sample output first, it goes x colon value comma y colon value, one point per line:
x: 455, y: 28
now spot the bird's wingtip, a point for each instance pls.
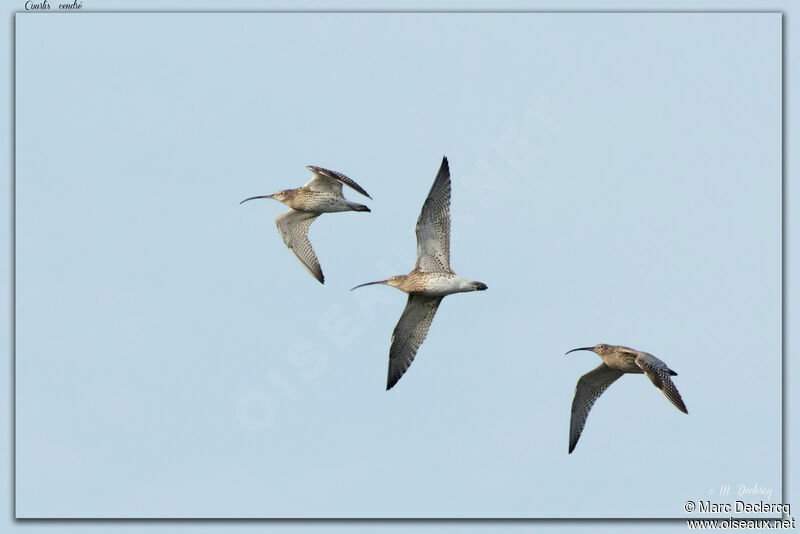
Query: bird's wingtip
x: 391, y: 381
x: 444, y: 169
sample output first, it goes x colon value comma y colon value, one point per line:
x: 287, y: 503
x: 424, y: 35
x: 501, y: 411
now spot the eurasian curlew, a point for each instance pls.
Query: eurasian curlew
x: 617, y: 361
x: 322, y: 194
x: 430, y: 280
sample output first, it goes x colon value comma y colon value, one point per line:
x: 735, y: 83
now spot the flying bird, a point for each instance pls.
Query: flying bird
x: 322, y: 194
x: 617, y: 361
x: 429, y: 282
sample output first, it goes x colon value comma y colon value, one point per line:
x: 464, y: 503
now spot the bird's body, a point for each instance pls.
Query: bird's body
x: 622, y: 360
x: 429, y: 282
x: 319, y: 202
x: 322, y: 194
x: 617, y: 361
x: 432, y: 283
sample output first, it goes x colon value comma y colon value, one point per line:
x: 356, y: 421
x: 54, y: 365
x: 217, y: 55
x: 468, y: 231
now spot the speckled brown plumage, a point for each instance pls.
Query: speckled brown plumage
x: 617, y: 361
x: 430, y: 280
x: 322, y: 194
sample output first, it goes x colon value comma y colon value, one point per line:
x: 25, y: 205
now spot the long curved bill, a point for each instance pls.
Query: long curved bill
x: 369, y: 284
x: 251, y: 198
x: 582, y: 348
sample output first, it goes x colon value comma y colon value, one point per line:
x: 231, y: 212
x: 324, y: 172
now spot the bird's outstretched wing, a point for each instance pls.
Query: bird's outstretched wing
x: 433, y: 225
x: 589, y: 388
x: 658, y: 373
x: 331, y: 181
x: 293, y: 226
x: 409, y: 334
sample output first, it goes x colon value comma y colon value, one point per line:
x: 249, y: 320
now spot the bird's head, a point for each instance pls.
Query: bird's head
x: 280, y: 196
x: 393, y: 281
x: 600, y: 349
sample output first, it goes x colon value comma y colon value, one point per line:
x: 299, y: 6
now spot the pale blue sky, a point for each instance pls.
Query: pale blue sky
x: 168, y: 363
